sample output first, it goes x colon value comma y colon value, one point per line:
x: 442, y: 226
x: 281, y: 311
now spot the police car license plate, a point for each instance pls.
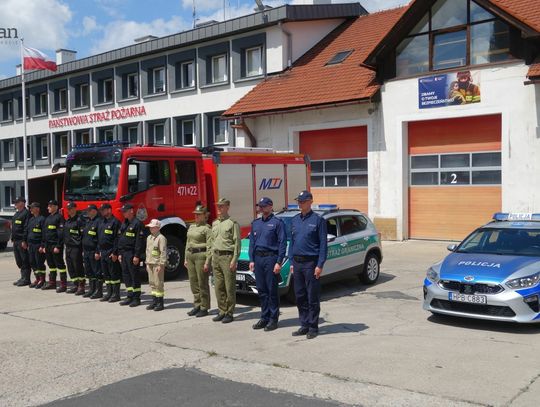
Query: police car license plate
x: 471, y: 298
x: 240, y: 277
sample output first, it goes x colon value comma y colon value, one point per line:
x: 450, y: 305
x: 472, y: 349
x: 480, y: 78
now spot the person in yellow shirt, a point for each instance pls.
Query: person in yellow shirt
x: 156, y: 259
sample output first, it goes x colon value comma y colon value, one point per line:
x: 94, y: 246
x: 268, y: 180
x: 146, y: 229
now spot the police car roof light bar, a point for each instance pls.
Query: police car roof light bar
x: 506, y: 216
x: 104, y: 144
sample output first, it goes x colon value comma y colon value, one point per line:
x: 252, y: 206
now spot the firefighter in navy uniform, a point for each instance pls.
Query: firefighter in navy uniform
x: 53, y: 245
x: 73, y: 228
x: 92, y: 268
x: 107, y: 253
x: 131, y: 247
x: 33, y: 239
x: 19, y: 225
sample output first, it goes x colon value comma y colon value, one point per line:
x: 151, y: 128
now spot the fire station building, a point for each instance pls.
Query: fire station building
x: 425, y: 116
x: 169, y: 90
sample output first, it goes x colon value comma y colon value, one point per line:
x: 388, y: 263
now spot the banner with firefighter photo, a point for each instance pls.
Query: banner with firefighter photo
x: 458, y: 88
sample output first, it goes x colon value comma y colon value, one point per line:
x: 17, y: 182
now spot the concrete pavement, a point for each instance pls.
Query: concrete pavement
x: 377, y: 346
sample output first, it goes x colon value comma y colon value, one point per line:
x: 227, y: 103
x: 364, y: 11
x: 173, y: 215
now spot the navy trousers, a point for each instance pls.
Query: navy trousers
x: 308, y: 294
x: 92, y: 267
x: 267, y: 286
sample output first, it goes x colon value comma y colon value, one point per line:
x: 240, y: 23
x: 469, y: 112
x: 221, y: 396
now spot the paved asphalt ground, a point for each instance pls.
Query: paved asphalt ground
x: 376, y: 347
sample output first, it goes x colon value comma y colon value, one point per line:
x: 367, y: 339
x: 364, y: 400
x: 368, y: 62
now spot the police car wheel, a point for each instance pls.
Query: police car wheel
x: 175, y: 258
x: 371, y: 271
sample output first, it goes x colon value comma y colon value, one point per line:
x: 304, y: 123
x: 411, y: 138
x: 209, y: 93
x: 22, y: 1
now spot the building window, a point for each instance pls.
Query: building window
x: 9, y: 196
x: 106, y: 135
x: 132, y: 82
x: 456, y: 169
x: 7, y: 109
x: 159, y: 133
x: 85, y: 137
x: 219, y: 68
x: 453, y: 34
x: 42, y: 147
x: 352, y: 172
x: 61, y: 100
x: 82, y: 95
x: 63, y: 145
x: 220, y: 131
x: 187, y: 77
x: 11, y: 151
x: 158, y: 80
x: 108, y: 90
x: 254, y: 61
x: 133, y: 135
x: 28, y: 150
x: 42, y: 103
x: 188, y: 132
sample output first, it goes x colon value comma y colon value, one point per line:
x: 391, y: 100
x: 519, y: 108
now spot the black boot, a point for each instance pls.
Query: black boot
x: 80, y: 290
x: 51, y: 285
x: 154, y: 303
x: 25, y: 279
x: 159, y: 306
x: 17, y: 282
x: 136, y: 300
x: 74, y: 287
x: 35, y: 282
x: 108, y: 294
x: 91, y: 290
x: 128, y: 299
x: 115, y: 293
x: 41, y: 281
x: 98, y: 290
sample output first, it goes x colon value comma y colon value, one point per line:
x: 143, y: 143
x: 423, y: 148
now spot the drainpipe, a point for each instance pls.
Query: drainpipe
x: 289, y: 43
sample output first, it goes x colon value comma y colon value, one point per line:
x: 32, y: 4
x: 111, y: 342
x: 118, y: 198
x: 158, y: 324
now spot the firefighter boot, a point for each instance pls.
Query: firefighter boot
x: 25, y: 278
x: 51, y: 285
x: 92, y: 289
x: 41, y: 281
x: 74, y: 286
x: 62, y: 288
x: 80, y: 290
x: 17, y: 282
x: 98, y: 290
x: 115, y: 297
x: 108, y: 295
x: 136, y: 300
x: 36, y: 281
x: 128, y: 299
x: 154, y: 303
x: 159, y: 306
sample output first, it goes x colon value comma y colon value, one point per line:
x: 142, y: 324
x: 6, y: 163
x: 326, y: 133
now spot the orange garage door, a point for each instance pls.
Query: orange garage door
x: 338, y: 165
x: 454, y: 176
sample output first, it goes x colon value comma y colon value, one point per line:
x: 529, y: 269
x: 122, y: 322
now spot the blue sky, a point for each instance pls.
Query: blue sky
x: 94, y: 26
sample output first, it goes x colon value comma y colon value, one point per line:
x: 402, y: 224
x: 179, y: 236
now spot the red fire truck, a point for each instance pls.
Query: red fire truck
x: 166, y: 182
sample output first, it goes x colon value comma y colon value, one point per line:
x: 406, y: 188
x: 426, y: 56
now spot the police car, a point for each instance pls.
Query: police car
x: 493, y: 274
x: 354, y: 248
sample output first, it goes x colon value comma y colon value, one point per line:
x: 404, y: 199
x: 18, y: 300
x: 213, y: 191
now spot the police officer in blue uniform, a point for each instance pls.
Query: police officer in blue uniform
x: 308, y: 251
x: 267, y: 246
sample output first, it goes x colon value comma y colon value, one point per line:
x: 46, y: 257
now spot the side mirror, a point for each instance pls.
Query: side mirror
x: 56, y: 167
x: 330, y: 238
x: 451, y: 247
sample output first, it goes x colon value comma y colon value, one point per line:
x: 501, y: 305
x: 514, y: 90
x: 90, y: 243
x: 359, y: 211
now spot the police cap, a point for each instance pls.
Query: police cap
x: 53, y: 202
x: 35, y: 205
x: 92, y: 207
x: 126, y: 207
x: 104, y: 206
x: 304, y: 196
x: 265, y: 201
x: 19, y: 199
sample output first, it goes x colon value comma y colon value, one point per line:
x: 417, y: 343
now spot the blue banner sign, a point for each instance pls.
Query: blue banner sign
x: 457, y: 88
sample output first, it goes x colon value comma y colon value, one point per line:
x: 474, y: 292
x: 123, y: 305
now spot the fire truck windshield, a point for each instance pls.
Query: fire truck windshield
x: 91, y: 181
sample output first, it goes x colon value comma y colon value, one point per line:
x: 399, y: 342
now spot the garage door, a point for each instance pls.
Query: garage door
x: 454, y: 177
x: 338, y: 165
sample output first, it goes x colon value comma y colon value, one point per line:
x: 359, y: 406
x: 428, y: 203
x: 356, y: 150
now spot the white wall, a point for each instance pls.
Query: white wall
x: 504, y: 93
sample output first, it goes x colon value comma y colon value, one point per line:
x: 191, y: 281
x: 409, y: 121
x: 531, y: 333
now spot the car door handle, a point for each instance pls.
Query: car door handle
x: 344, y: 244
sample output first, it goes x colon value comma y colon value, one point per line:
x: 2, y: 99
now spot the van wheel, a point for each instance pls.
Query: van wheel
x: 175, y: 257
x: 371, y: 271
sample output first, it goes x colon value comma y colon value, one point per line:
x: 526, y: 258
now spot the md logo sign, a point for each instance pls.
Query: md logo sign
x: 271, y: 183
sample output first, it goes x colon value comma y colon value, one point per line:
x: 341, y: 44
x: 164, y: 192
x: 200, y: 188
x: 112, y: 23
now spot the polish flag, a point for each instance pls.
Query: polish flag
x: 35, y: 59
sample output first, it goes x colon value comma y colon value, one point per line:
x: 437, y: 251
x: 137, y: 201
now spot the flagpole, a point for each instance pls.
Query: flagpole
x: 25, y: 152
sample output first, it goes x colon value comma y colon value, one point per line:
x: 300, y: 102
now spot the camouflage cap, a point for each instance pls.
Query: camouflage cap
x: 223, y: 201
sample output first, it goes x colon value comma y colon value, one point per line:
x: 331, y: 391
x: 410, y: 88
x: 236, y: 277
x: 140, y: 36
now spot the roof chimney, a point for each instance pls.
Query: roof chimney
x: 145, y: 38
x: 65, y: 55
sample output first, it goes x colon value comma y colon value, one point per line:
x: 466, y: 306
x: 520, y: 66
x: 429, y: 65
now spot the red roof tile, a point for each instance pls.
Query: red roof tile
x: 534, y: 70
x: 310, y: 82
x: 526, y: 11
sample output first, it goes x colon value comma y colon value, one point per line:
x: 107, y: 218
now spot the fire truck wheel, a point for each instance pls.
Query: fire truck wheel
x: 175, y: 257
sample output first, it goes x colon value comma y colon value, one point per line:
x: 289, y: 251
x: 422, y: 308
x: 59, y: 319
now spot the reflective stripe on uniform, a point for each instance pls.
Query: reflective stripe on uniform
x: 130, y: 234
x: 62, y: 270
x: 92, y: 233
x: 129, y: 289
x: 136, y: 290
x: 51, y: 227
x: 108, y: 232
x: 36, y: 230
x: 159, y: 294
x: 115, y: 281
